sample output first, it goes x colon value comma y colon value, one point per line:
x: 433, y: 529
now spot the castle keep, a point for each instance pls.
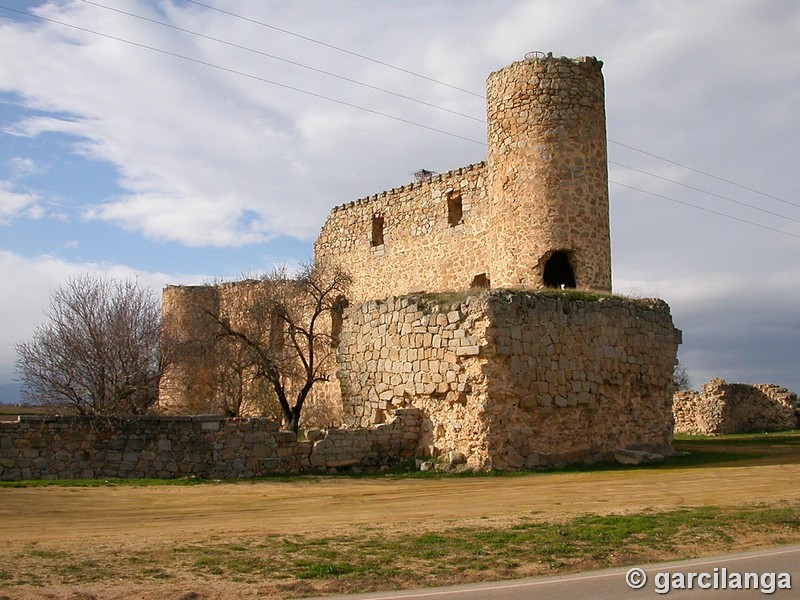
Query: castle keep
x: 534, y: 215
x: 481, y: 296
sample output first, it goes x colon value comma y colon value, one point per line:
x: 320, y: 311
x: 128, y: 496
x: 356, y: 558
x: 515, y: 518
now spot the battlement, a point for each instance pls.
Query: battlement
x: 533, y: 215
x: 409, y: 187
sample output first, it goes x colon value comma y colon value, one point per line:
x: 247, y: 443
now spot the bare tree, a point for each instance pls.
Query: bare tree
x: 98, y: 353
x: 289, y: 331
x: 239, y: 389
x: 681, y: 379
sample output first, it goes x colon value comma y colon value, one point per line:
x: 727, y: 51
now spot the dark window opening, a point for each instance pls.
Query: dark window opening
x: 377, y: 231
x: 455, y: 210
x: 558, y: 272
x: 337, y: 320
x: 480, y: 281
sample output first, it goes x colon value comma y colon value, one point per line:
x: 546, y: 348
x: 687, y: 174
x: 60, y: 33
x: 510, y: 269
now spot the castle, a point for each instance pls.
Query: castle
x: 534, y: 215
x: 450, y: 312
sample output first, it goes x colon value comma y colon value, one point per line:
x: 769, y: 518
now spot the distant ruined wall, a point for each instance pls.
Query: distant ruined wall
x: 515, y: 379
x: 40, y: 447
x: 722, y: 407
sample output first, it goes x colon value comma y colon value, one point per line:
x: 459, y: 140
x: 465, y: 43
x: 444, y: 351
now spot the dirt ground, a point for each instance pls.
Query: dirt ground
x: 327, y: 505
x: 71, y: 518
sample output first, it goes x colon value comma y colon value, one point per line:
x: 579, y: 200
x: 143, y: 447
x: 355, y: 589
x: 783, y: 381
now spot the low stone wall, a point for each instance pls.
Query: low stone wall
x: 722, y: 407
x: 514, y: 379
x: 71, y: 447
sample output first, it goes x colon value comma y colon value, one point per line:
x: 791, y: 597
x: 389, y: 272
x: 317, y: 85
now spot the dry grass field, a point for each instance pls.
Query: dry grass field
x: 311, y: 535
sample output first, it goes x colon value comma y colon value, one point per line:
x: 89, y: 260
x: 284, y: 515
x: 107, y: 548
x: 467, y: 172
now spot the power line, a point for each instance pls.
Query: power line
x: 285, y: 60
x: 728, y: 181
x: 697, y: 189
x: 306, y: 38
x: 721, y: 214
x: 337, y: 48
x: 364, y: 57
x: 248, y: 75
x: 313, y: 94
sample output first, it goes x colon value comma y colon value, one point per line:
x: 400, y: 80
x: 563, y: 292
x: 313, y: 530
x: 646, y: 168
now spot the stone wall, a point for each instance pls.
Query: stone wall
x: 515, y: 379
x: 41, y: 447
x: 421, y: 249
x: 542, y: 191
x: 207, y: 374
x: 722, y: 407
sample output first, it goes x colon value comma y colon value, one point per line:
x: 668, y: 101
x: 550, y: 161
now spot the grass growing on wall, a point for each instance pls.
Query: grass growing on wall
x: 443, y: 300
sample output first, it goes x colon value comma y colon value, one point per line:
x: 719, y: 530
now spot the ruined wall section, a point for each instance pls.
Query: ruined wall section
x: 573, y: 378
x: 208, y: 374
x: 515, y: 379
x: 422, y: 249
x: 425, y: 353
x: 208, y: 446
x: 188, y: 382
x: 548, y: 174
x: 722, y: 407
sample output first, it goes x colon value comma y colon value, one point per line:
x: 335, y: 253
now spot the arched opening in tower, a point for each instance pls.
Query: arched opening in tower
x: 558, y: 271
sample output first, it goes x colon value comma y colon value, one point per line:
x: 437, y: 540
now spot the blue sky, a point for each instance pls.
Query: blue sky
x: 122, y: 158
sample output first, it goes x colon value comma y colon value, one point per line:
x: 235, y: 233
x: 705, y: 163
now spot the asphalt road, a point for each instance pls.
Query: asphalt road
x: 662, y: 581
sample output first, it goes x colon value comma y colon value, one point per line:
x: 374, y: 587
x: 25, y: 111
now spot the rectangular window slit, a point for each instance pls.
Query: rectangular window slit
x: 455, y: 210
x: 377, y: 231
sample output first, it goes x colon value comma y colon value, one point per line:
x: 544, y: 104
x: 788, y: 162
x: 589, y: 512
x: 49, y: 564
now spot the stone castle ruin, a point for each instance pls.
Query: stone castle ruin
x: 534, y: 215
x: 482, y: 296
x: 721, y: 407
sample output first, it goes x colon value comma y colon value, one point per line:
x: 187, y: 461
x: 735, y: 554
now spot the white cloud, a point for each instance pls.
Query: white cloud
x: 24, y: 167
x: 209, y: 158
x: 159, y: 217
x: 24, y: 303
x: 15, y: 204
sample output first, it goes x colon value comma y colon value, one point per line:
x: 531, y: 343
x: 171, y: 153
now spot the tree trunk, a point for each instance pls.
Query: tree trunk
x: 294, y: 423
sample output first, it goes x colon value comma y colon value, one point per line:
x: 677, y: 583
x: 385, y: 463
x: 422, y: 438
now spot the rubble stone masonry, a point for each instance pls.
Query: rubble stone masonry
x: 41, y: 447
x: 202, y: 381
x: 548, y: 174
x: 507, y: 378
x: 543, y: 190
x: 722, y: 407
x: 421, y: 250
x: 515, y: 379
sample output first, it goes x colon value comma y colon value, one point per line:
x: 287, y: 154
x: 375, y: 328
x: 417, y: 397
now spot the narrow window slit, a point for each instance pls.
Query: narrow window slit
x: 455, y: 209
x: 377, y: 231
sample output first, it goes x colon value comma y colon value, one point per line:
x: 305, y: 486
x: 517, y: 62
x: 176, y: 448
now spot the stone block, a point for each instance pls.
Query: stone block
x: 314, y: 435
x: 286, y: 437
x: 468, y: 351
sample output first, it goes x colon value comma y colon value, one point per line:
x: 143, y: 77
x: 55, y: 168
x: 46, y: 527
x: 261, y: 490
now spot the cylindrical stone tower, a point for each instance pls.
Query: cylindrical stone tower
x: 188, y: 379
x: 548, y: 175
